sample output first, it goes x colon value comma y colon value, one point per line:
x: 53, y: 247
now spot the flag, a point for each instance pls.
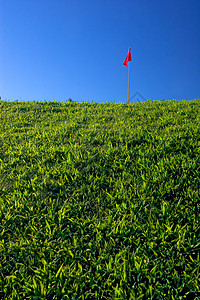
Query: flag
x: 128, y: 58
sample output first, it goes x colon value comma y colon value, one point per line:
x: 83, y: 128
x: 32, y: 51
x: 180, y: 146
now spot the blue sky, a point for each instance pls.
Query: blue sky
x: 61, y: 49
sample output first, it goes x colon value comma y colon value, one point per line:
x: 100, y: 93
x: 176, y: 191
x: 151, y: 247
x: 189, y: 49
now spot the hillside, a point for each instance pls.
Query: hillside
x: 99, y: 201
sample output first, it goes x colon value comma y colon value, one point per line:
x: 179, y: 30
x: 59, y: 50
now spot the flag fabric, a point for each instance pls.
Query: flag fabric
x: 128, y: 58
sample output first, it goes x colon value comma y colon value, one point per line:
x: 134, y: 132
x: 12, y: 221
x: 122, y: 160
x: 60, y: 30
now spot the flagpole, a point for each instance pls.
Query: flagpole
x: 129, y: 82
x: 127, y: 60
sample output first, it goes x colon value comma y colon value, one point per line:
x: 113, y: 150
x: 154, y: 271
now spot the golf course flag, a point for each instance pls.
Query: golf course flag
x: 128, y: 59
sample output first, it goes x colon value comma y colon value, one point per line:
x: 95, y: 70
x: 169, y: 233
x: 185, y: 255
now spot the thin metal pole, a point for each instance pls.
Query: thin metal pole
x: 129, y: 82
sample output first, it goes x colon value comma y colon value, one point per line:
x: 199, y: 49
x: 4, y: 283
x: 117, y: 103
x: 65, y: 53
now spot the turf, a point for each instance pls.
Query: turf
x: 99, y: 200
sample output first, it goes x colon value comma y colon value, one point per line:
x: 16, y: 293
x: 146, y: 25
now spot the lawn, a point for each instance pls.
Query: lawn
x: 100, y: 200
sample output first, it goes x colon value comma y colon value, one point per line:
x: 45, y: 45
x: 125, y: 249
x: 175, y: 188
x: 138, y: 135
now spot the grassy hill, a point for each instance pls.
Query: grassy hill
x: 99, y: 201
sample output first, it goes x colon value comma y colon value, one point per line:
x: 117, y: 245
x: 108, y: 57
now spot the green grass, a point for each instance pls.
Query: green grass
x: 99, y: 201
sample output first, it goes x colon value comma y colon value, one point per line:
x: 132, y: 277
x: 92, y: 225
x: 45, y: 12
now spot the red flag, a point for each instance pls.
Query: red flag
x: 128, y: 58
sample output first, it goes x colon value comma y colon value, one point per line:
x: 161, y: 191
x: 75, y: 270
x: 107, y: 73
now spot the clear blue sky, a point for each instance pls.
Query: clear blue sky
x: 60, y: 49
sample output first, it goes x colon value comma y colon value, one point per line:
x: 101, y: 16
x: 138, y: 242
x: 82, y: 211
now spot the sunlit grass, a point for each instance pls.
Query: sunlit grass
x: 99, y: 201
